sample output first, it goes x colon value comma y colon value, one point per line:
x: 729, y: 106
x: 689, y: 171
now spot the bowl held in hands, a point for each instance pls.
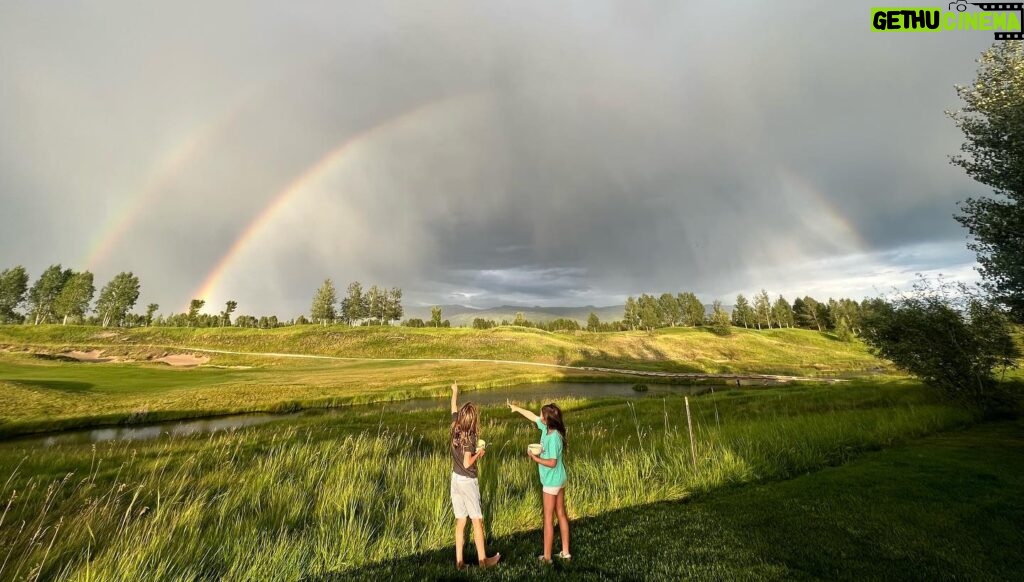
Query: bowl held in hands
x: 535, y: 449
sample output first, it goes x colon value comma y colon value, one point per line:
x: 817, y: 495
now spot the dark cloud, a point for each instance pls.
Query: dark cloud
x: 529, y: 152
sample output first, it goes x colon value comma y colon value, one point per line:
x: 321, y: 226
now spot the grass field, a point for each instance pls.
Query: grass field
x: 326, y: 497
x: 38, y: 392
x: 779, y: 351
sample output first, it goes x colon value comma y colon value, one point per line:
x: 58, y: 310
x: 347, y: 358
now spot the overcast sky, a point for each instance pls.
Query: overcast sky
x: 530, y: 152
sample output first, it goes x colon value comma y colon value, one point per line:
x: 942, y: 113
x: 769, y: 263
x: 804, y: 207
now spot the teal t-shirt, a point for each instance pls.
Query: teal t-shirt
x: 552, y: 443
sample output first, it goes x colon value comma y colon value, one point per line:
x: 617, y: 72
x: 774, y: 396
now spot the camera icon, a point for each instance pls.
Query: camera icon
x: 961, y: 5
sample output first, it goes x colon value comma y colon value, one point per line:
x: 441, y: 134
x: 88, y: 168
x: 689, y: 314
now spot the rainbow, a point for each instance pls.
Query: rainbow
x: 165, y: 170
x: 824, y: 219
x: 308, y: 176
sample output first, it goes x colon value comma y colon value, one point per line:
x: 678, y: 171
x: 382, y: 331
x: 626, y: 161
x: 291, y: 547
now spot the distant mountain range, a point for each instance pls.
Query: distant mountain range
x: 461, y: 315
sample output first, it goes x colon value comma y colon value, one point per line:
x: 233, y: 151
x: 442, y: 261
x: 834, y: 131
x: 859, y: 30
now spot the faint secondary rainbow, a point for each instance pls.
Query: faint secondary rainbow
x: 165, y: 170
x: 310, y: 175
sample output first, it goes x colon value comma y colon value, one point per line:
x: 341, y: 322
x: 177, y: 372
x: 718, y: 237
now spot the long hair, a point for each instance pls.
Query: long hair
x: 466, y: 426
x: 551, y: 414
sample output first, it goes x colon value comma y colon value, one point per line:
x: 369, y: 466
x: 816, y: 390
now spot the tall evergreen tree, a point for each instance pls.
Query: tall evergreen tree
x: 322, y: 311
x: 117, y: 298
x: 783, y: 312
x: 75, y: 297
x: 808, y: 314
x: 13, y: 286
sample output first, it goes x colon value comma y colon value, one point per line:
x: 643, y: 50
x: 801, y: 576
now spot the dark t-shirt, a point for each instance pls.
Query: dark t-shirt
x: 457, y: 455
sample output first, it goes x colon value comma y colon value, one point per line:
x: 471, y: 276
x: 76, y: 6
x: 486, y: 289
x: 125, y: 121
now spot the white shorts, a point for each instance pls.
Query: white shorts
x: 553, y: 490
x: 466, y: 497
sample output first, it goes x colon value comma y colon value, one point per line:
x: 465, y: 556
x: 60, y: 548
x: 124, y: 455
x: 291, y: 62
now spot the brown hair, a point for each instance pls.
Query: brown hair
x: 466, y: 426
x: 551, y: 415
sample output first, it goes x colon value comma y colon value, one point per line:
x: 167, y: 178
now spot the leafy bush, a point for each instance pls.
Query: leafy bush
x: 952, y: 340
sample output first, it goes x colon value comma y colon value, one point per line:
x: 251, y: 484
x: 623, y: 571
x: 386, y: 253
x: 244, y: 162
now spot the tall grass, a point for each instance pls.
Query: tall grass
x: 287, y: 502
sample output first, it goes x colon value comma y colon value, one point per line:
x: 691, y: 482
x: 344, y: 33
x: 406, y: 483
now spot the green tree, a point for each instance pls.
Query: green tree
x: 394, y: 309
x: 193, y: 311
x: 742, y: 313
x: 355, y: 306
x: 843, y: 331
x: 44, y: 293
x: 75, y: 297
x: 520, y: 320
x: 117, y: 298
x: 322, y: 311
x: 435, y: 316
x: 670, y: 310
x: 720, y: 321
x: 225, y: 316
x: 631, y: 315
x: 691, y: 309
x: 992, y: 120
x: 783, y: 312
x: 763, y: 310
x: 946, y: 337
x: 13, y: 286
x: 150, y: 310
x: 650, y: 314
x: 593, y: 322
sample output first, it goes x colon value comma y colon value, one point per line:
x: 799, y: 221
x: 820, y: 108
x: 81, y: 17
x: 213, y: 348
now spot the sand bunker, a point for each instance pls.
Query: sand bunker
x: 93, y: 356
x: 183, y: 360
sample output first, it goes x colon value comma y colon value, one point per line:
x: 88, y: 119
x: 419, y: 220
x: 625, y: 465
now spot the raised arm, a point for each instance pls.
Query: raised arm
x: 455, y: 396
x: 526, y: 413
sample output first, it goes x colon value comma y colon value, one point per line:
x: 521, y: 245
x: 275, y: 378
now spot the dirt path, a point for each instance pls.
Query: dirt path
x: 645, y: 373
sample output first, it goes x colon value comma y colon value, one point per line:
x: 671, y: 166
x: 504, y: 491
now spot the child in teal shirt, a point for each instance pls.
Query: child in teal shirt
x: 552, y: 474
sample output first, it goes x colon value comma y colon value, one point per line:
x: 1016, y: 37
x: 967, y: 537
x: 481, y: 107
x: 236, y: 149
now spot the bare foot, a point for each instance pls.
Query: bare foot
x: 492, y: 561
x: 460, y: 565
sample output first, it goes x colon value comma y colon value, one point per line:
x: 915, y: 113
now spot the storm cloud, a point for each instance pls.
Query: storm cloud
x: 475, y: 152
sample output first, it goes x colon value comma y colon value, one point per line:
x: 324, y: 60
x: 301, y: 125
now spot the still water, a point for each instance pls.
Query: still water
x: 548, y: 392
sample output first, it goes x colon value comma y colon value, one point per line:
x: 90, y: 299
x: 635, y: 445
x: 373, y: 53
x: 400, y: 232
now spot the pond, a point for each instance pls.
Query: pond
x: 546, y: 392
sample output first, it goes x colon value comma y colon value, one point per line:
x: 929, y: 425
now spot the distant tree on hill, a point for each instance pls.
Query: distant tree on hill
x: 225, y: 316
x: 763, y: 310
x: 193, y: 311
x: 520, y: 320
x: 377, y: 302
x: 13, y: 287
x: 75, y: 297
x: 742, y: 313
x: 435, y: 316
x: 783, y: 312
x: 355, y: 305
x: 322, y: 310
x: 993, y: 124
x: 593, y: 322
x: 150, y: 310
x: 44, y: 293
x: 719, y: 319
x: 691, y: 309
x: 413, y: 322
x: 650, y: 314
x: 446, y: 323
x: 808, y: 313
x: 480, y: 323
x: 671, y: 311
x: 117, y: 298
x: 394, y: 310
x: 631, y: 315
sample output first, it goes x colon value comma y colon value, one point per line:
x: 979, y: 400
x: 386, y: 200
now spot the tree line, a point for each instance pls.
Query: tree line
x: 64, y: 295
